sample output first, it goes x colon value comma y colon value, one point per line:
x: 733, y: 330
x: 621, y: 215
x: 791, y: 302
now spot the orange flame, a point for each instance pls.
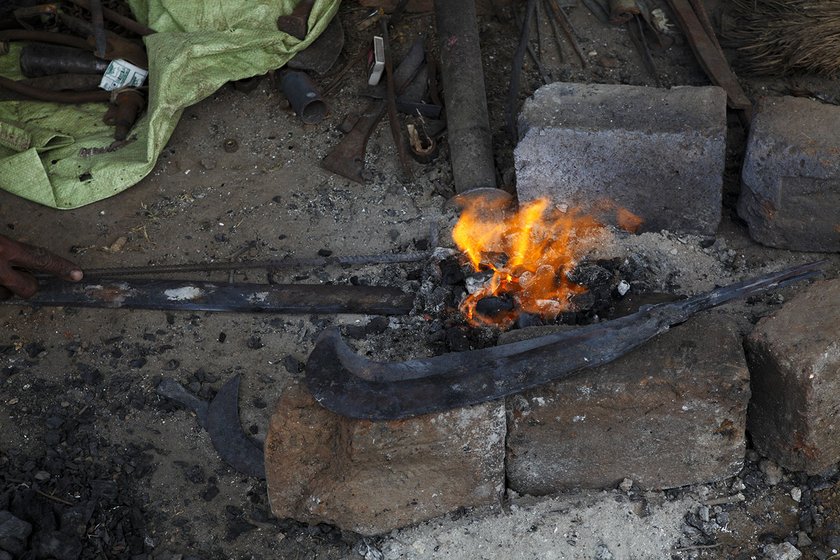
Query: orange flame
x: 529, y: 253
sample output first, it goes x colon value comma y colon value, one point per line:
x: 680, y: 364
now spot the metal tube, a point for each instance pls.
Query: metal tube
x: 467, y: 120
x: 303, y: 96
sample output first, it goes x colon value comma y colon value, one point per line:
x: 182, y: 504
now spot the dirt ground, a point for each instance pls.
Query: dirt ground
x: 86, y: 440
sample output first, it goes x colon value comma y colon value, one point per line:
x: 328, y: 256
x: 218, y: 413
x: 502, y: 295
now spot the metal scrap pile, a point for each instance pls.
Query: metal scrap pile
x: 77, y: 52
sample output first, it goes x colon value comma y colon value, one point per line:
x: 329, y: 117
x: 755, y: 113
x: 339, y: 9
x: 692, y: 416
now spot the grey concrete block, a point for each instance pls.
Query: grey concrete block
x: 790, y: 181
x: 794, y: 359
x: 655, y: 152
x: 668, y: 414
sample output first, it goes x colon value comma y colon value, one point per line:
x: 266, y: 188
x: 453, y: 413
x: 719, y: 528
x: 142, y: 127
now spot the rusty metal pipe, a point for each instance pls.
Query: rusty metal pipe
x: 39, y: 94
x: 467, y: 120
x: 43, y: 37
x: 125, y: 22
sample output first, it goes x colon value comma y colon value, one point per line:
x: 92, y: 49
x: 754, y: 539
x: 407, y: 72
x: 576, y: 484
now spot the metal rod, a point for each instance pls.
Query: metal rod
x: 187, y: 295
x: 98, y: 20
x: 125, y: 22
x: 288, y: 262
x: 391, y: 101
x: 464, y: 91
x: 516, y: 71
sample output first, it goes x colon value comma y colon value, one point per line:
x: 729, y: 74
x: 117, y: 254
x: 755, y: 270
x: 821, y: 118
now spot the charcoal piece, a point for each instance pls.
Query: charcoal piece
x: 494, y: 306
x: 450, y: 272
x: 13, y: 527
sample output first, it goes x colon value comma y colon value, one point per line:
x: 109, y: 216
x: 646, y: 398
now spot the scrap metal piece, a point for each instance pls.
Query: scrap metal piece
x: 296, y: 24
x: 44, y: 59
x: 322, y: 53
x: 220, y: 417
x: 211, y: 296
x: 354, y: 386
x: 125, y: 107
x: 303, y: 96
x: 40, y: 94
x: 233, y: 446
x: 174, y: 391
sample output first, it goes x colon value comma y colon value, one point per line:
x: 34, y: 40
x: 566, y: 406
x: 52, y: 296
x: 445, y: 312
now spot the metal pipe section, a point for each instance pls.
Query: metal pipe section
x: 467, y: 121
x: 303, y: 96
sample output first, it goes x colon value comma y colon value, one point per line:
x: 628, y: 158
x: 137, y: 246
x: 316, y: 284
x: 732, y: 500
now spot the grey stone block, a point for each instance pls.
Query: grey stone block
x: 655, y: 152
x: 790, y: 181
x: 794, y: 359
x: 668, y: 414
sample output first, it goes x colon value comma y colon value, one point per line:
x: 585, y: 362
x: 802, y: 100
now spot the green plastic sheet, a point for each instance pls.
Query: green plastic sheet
x: 199, y: 46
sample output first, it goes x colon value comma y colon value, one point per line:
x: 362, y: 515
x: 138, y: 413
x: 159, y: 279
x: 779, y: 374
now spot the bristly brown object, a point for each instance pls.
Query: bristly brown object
x: 786, y: 36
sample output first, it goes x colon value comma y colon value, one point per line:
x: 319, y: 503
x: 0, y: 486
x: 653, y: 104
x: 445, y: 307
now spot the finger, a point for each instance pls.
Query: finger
x: 18, y: 282
x: 40, y: 260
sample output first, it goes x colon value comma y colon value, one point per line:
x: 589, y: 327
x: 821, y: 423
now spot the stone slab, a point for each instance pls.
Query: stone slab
x: 658, y: 153
x: 372, y: 477
x: 794, y: 358
x: 790, y: 180
x: 668, y: 414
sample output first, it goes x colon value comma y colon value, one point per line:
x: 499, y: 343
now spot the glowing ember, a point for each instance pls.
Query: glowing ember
x: 529, y: 253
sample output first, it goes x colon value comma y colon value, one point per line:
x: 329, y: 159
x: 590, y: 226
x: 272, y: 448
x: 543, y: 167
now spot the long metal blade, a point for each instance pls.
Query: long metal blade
x: 213, y: 296
x: 354, y: 386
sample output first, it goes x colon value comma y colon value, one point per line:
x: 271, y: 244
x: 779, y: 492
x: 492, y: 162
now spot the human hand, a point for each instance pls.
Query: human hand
x: 18, y: 259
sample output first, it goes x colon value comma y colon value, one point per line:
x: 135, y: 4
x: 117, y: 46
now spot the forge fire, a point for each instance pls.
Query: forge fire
x: 527, y: 255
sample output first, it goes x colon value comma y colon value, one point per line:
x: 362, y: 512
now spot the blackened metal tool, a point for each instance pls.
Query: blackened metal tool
x: 706, y: 48
x: 354, y: 386
x: 187, y: 295
x: 220, y: 417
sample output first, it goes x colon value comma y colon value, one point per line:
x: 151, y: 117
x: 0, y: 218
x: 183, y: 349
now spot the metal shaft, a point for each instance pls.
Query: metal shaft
x: 467, y: 120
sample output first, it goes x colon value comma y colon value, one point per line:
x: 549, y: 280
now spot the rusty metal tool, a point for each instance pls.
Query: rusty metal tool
x: 711, y: 58
x: 296, y: 23
x: 391, y: 101
x: 354, y: 386
x: 220, y: 417
x: 122, y: 113
x: 189, y: 295
x: 40, y: 94
x: 348, y: 157
x: 566, y: 25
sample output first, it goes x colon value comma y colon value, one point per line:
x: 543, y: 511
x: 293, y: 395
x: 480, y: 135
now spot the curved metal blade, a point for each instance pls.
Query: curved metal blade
x: 354, y: 386
x: 230, y: 442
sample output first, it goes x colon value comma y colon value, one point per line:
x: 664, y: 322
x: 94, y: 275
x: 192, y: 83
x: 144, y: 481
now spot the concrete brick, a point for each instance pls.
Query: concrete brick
x: 372, y: 477
x: 668, y: 414
x: 790, y: 180
x: 658, y: 153
x: 794, y: 359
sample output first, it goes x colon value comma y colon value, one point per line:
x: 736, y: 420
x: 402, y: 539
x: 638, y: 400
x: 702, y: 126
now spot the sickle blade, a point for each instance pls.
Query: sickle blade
x: 354, y: 386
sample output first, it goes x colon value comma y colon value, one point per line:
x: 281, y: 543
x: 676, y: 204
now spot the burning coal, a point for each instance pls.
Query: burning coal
x: 529, y: 253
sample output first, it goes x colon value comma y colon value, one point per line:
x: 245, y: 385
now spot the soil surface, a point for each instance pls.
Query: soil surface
x: 104, y: 467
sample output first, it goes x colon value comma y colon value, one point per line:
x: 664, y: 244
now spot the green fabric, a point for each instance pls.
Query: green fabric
x: 198, y: 47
